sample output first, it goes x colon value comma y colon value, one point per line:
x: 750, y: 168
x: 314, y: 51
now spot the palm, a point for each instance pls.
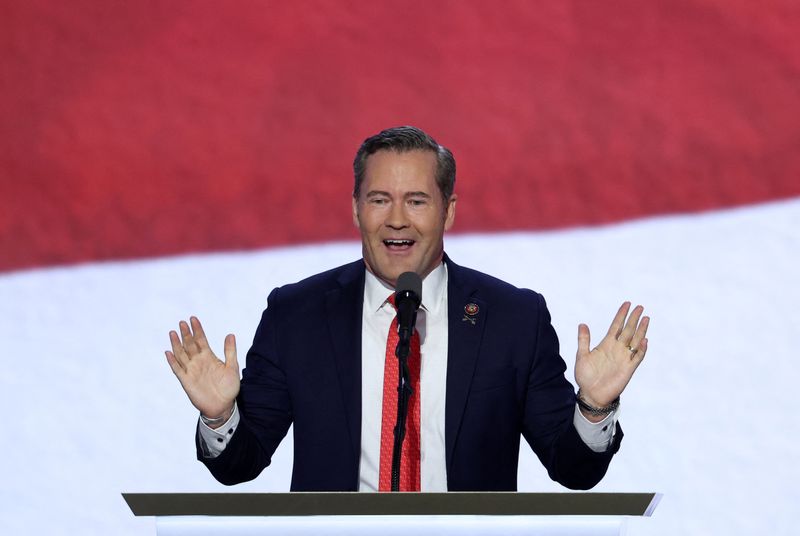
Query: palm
x: 603, y: 372
x: 211, y: 384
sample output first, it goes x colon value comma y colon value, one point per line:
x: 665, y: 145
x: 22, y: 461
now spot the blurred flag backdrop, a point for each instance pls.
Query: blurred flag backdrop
x: 161, y: 159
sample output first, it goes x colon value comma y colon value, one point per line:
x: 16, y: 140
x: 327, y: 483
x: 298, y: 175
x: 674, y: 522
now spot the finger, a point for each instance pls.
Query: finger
x: 627, y: 332
x: 178, y: 352
x: 187, y: 340
x: 643, y: 348
x: 638, y: 356
x: 198, y: 334
x: 174, y: 364
x: 583, y: 339
x: 230, y: 352
x: 616, y: 325
x: 641, y: 331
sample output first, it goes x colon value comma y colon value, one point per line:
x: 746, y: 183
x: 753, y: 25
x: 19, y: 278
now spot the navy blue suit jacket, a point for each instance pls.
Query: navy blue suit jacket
x: 504, y: 378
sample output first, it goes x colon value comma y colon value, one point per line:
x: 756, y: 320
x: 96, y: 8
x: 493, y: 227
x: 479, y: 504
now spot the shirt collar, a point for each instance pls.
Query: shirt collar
x: 434, y: 286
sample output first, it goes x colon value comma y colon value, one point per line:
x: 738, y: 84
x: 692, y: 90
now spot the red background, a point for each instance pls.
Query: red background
x: 133, y: 129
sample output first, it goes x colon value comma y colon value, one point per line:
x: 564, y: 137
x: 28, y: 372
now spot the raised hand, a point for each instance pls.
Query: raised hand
x: 212, y: 385
x: 603, y: 372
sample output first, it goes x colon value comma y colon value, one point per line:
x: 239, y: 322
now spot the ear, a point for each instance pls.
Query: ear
x: 355, y: 213
x: 451, y: 212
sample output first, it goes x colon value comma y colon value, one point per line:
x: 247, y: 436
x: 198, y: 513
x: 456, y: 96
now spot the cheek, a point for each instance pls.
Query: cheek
x: 363, y: 222
x: 432, y: 227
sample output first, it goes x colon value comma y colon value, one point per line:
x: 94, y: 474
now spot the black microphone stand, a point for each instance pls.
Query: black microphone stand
x: 404, y: 392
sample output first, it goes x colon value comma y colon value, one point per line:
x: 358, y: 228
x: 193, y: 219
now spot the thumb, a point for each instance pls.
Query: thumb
x: 230, y: 352
x: 583, y: 339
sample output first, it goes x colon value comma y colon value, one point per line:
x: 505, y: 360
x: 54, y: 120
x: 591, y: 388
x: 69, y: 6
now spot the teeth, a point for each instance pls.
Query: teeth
x: 398, y: 242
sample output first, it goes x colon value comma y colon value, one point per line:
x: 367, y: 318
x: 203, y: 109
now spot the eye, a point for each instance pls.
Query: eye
x: 417, y: 202
x: 378, y: 201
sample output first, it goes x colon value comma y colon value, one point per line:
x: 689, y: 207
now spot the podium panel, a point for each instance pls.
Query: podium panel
x: 391, y: 514
x: 392, y: 526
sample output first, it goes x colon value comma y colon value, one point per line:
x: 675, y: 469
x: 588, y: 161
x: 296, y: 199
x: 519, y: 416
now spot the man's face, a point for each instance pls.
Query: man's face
x: 401, y: 214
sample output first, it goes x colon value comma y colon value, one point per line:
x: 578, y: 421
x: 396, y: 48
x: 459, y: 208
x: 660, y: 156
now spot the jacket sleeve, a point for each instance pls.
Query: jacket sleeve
x: 264, y: 405
x: 549, y: 409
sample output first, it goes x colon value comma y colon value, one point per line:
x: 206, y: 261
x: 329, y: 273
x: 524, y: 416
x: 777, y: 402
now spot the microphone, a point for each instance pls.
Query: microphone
x: 407, y: 299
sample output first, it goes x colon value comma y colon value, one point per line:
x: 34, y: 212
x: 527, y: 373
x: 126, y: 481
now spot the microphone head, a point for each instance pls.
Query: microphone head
x: 409, y: 284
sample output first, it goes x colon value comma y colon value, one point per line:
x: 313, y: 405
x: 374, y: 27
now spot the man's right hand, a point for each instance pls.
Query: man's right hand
x: 212, y: 385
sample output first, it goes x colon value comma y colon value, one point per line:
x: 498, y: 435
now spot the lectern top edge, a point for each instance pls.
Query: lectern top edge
x: 410, y: 504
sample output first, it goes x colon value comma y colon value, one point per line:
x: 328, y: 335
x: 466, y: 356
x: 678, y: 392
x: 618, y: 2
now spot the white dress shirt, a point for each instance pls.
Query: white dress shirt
x: 431, y: 324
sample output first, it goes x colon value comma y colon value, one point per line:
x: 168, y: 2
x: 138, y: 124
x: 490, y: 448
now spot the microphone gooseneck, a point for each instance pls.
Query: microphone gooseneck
x: 407, y: 299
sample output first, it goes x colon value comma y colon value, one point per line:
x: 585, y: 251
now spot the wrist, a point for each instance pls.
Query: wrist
x: 218, y: 420
x: 593, y: 411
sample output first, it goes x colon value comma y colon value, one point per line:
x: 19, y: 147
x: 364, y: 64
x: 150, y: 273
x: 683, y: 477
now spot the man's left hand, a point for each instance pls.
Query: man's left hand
x: 603, y: 372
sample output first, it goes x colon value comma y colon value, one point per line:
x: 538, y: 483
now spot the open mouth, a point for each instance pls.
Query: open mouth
x: 398, y: 245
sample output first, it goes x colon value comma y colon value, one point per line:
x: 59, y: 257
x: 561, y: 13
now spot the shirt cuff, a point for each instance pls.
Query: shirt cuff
x: 213, y: 442
x: 597, y: 436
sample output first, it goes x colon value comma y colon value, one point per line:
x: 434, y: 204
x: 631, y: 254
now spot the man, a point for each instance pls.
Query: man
x: 490, y: 367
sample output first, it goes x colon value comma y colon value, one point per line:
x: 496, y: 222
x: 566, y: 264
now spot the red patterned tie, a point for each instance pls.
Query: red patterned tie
x: 409, y: 462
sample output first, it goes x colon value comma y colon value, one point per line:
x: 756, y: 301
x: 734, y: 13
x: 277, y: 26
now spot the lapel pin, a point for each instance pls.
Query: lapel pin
x: 470, y: 311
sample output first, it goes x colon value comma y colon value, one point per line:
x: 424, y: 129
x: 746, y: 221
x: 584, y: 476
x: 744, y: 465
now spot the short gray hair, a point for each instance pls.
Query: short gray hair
x: 405, y: 139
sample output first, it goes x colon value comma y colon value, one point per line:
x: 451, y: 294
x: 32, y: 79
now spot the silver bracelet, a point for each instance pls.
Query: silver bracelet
x: 592, y: 410
x: 211, y: 422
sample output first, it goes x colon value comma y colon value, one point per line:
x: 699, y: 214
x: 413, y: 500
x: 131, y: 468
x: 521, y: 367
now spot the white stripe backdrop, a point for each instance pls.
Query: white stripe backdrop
x: 92, y: 409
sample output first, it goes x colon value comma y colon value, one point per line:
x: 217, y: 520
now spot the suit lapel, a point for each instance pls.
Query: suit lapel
x: 466, y: 315
x: 343, y: 308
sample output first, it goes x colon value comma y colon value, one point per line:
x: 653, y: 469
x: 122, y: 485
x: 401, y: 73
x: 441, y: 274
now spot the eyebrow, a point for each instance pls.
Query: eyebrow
x: 374, y: 193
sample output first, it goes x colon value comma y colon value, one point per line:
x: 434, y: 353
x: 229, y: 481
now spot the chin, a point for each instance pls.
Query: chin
x: 390, y: 276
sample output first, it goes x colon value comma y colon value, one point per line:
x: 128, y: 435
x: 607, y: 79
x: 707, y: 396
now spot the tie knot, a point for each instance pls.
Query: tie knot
x: 391, y: 300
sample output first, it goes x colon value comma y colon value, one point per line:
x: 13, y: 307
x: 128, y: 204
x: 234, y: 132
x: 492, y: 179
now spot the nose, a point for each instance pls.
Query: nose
x: 397, y: 217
